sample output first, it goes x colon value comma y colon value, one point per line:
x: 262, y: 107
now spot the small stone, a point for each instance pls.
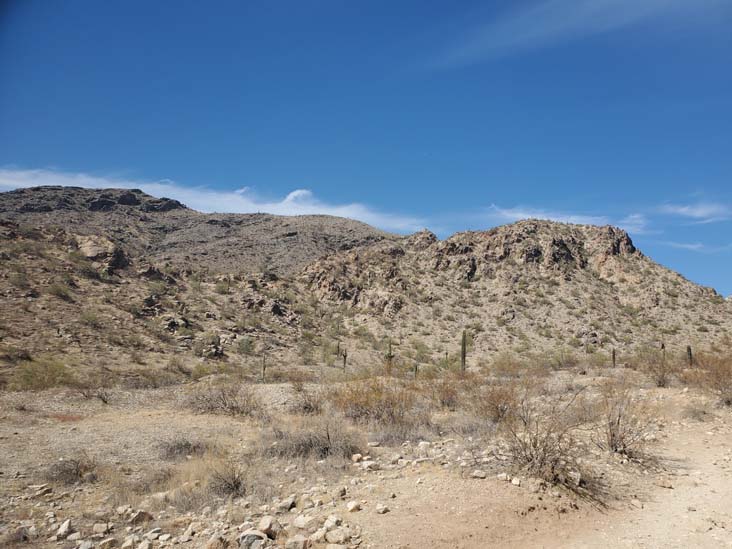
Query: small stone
x: 64, y: 530
x: 251, y: 538
x: 139, y: 517
x: 216, y: 542
x: 353, y: 506
x: 270, y: 526
x: 355, y: 458
x: 336, y: 536
x: 516, y: 481
x: 100, y: 528
x: 503, y: 476
x: 297, y: 542
x: 478, y: 474
x: 109, y: 542
x: 304, y: 522
x: 76, y: 536
x: 86, y: 545
x: 382, y: 509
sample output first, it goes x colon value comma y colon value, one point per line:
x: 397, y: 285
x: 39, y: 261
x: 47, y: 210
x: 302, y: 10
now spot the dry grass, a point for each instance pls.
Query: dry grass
x: 495, y: 402
x: 716, y: 376
x: 394, y: 412
x: 232, y: 400
x: 182, y: 447
x: 320, y: 438
x: 307, y: 402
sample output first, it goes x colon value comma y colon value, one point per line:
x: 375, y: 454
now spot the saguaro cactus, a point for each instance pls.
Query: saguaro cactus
x: 345, y: 357
x: 689, y: 356
x: 389, y: 359
x: 463, y: 350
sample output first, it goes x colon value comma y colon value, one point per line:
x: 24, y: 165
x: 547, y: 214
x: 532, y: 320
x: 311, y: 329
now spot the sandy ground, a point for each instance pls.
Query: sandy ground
x: 687, y: 504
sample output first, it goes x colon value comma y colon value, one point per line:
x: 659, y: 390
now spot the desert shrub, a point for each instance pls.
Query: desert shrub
x: 564, y: 358
x: 245, y: 345
x: 542, y: 440
x: 445, y: 392
x: 181, y: 447
x: 306, y: 402
x: 176, y: 365
x: 13, y: 354
x: 222, y: 287
x: 716, y: 376
x: 40, y: 374
x: 318, y: 439
x: 660, y: 368
x: 81, y: 468
x: 396, y: 411
x: 506, y: 364
x: 61, y: 291
x: 495, y: 402
x: 89, y: 389
x: 228, y: 479
x: 227, y: 400
x: 624, y: 421
x: 91, y: 319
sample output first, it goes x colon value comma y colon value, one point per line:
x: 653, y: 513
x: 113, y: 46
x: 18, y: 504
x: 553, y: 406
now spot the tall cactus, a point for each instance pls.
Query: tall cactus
x: 389, y: 359
x: 463, y: 350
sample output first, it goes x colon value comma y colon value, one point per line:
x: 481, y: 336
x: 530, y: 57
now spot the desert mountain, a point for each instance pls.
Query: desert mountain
x: 166, y: 232
x: 121, y: 278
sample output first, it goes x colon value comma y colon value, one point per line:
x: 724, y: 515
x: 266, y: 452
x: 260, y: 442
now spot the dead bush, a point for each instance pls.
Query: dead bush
x: 318, y: 439
x: 624, y: 421
x: 307, y: 402
x: 236, y: 400
x: 506, y: 364
x: 717, y: 376
x: 445, y: 392
x: 542, y: 439
x: 182, y: 447
x: 73, y: 470
x: 227, y: 479
x: 495, y: 402
x: 659, y: 367
x: 395, y: 412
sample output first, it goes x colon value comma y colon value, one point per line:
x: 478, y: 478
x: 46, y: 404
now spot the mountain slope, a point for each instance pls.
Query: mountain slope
x: 156, y: 287
x: 166, y: 232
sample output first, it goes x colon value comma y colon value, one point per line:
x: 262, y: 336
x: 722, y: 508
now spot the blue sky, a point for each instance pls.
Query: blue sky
x: 449, y: 115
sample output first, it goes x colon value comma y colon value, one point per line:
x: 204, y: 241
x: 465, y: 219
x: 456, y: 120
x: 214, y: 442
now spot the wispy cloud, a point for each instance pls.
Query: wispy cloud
x: 701, y: 212
x: 633, y: 223
x: 548, y: 22
x: 243, y: 200
x: 697, y: 247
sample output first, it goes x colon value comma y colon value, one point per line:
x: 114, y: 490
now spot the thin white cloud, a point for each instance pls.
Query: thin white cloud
x: 701, y: 212
x: 634, y: 223
x: 692, y: 247
x: 517, y: 213
x: 242, y: 200
x: 548, y: 22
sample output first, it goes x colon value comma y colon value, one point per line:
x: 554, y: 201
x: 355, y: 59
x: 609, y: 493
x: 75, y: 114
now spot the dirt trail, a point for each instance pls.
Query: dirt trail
x: 690, y: 506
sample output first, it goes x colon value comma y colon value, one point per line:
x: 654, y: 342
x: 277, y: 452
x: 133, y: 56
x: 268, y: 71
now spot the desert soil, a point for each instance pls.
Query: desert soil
x: 683, y: 502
